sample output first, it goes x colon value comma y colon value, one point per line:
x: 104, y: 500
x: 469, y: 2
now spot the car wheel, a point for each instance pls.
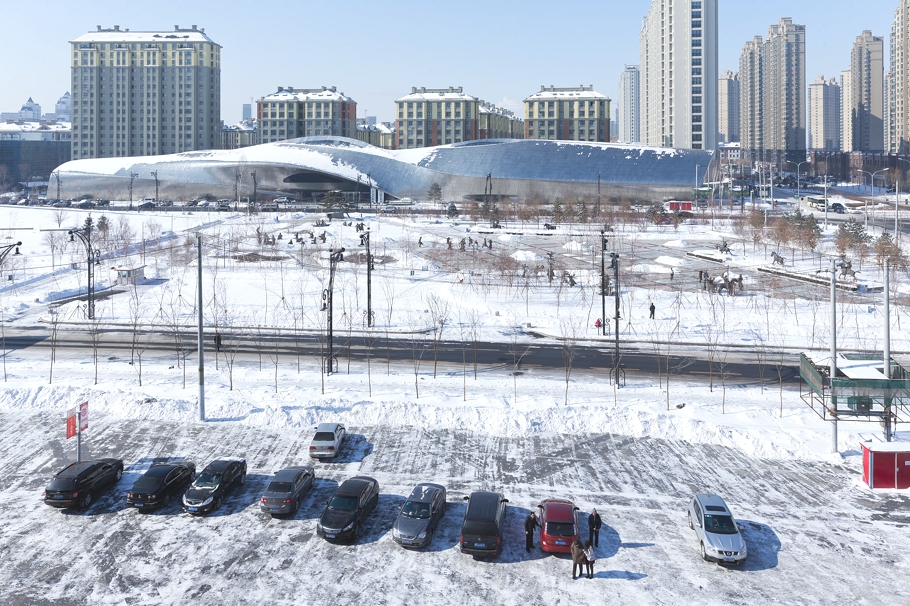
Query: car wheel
x: 218, y: 503
x: 689, y: 515
x: 118, y: 475
x: 167, y: 500
x: 704, y: 555
x: 86, y: 500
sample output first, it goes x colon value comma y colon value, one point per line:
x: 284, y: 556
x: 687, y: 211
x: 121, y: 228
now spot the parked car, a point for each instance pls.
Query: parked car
x: 558, y: 525
x: 192, y: 203
x: 327, y: 441
x: 146, y: 205
x: 420, y: 515
x: 717, y: 531
x: 62, y: 204
x: 281, y: 200
x: 161, y: 483
x: 101, y: 203
x: 284, y: 492
x: 212, y: 485
x: 348, y: 508
x: 78, y: 484
x: 484, y: 520
x: 224, y: 204
x: 85, y: 204
x: 166, y: 203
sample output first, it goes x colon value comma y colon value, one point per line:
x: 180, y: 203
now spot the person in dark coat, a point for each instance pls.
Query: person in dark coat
x: 578, y: 559
x: 652, y: 308
x: 594, y: 528
x: 530, y: 524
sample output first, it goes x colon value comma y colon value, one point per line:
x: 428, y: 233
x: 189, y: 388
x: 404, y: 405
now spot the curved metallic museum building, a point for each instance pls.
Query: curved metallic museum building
x: 525, y: 169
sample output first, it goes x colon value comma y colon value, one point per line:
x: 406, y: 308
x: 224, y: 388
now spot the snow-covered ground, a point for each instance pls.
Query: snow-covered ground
x: 635, y: 453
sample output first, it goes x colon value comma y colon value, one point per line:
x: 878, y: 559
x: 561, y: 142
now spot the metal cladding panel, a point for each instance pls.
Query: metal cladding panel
x: 883, y: 469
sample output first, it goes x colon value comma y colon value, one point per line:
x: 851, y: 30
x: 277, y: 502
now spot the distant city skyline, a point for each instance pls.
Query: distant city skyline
x: 380, y: 56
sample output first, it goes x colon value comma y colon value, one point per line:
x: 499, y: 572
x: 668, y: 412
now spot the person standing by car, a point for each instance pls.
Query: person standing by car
x: 530, y: 525
x: 589, y: 559
x: 594, y: 528
x: 578, y: 558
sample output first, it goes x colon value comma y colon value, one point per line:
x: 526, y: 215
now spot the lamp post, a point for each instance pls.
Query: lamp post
x: 132, y: 177
x: 93, y: 257
x: 365, y: 241
x: 897, y: 199
x: 798, y: 197
x: 872, y: 190
x: 57, y: 176
x: 334, y: 257
x: 6, y: 250
x: 155, y: 175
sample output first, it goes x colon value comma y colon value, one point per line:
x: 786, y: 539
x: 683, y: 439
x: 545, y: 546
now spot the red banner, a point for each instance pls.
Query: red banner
x: 70, y: 427
x: 71, y: 420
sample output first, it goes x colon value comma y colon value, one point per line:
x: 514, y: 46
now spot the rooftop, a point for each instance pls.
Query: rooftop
x: 115, y: 34
x: 566, y: 94
x: 437, y: 94
x: 306, y: 94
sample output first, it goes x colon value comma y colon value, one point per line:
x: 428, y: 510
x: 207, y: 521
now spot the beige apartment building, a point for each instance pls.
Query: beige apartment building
x: 291, y: 112
x: 568, y: 114
x: 824, y: 115
x: 864, y: 98
x: 438, y: 116
x: 145, y: 93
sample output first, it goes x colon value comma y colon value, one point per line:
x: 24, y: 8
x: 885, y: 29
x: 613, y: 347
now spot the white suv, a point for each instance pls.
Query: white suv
x: 716, y: 530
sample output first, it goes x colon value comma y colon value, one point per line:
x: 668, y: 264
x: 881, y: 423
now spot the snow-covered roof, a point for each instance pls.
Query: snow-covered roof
x: 124, y: 35
x: 33, y: 127
x: 437, y: 94
x: 566, y: 94
x: 284, y: 95
x: 489, y: 108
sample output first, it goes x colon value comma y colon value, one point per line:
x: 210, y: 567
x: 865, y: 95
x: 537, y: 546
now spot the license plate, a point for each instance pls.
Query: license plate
x: 406, y: 542
x: 193, y: 509
x: 58, y: 496
x: 560, y: 542
x: 138, y: 504
x: 728, y: 559
x: 480, y: 545
x: 329, y: 536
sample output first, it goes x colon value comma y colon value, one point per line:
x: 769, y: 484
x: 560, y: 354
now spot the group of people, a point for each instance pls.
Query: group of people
x: 583, y: 555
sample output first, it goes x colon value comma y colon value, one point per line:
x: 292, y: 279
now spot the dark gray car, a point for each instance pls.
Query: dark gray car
x: 420, y: 515
x: 286, y: 489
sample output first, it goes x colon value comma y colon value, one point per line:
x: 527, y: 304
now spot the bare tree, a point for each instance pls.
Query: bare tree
x: 439, y: 315
x: 519, y: 350
x: 570, y: 335
x: 94, y: 332
x: 418, y: 343
x: 388, y: 289
x: 55, y: 326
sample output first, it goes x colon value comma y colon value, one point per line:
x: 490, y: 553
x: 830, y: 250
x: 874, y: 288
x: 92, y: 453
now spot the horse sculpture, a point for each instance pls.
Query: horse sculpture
x: 723, y: 247
x: 846, y: 270
x: 779, y: 260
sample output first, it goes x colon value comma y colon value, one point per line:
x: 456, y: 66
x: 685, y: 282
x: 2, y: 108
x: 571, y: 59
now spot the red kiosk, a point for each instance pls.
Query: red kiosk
x: 886, y: 464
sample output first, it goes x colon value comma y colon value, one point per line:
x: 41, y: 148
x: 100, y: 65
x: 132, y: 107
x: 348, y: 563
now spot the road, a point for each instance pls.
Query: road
x: 813, y: 538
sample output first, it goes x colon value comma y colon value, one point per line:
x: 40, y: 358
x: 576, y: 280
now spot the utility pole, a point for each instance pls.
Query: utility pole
x: 253, y: 201
x: 93, y: 257
x: 549, y: 267
x: 132, y: 177
x: 365, y: 241
x: 614, y: 264
x: 603, y: 284
x: 199, y: 336
x: 334, y: 258
x: 155, y: 174
x: 236, y: 189
x: 598, y: 200
x: 832, y: 371
x: 887, y: 352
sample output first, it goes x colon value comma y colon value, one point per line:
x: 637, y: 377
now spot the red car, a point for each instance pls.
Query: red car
x: 558, y: 525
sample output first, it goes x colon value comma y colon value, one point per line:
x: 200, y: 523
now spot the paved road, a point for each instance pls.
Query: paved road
x: 813, y: 538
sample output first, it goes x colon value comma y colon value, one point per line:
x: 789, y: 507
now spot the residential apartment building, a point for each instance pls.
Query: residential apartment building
x: 898, y: 84
x: 629, y: 114
x: 381, y: 135
x: 824, y: 115
x: 145, y: 93
x: 290, y: 113
x: 437, y: 116
x: 865, y: 95
x: 678, y: 63
x: 567, y: 114
x: 728, y: 107
x: 846, y: 107
x: 243, y: 134
x: 773, y: 95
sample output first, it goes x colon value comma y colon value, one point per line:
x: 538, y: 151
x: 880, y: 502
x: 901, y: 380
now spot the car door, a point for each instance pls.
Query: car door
x: 299, y: 484
x: 339, y: 437
x: 436, y: 510
x: 173, y: 480
x: 364, y: 501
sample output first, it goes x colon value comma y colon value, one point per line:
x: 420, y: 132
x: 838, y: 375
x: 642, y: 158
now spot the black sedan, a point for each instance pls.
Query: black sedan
x: 78, y: 484
x: 283, y: 494
x: 347, y: 510
x: 161, y: 483
x: 216, y: 480
x: 420, y: 515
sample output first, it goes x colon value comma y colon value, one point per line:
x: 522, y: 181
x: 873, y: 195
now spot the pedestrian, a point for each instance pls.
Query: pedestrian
x: 652, y: 308
x: 589, y: 559
x: 671, y: 273
x: 420, y: 242
x: 217, y: 342
x: 530, y: 525
x: 597, y: 324
x: 594, y: 528
x: 578, y: 558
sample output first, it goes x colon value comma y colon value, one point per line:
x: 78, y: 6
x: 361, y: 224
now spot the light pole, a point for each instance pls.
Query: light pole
x: 93, y: 257
x: 132, y: 177
x: 365, y: 241
x: 57, y: 176
x: 603, y: 284
x: 155, y: 174
x: 334, y: 258
x: 872, y: 191
x: 897, y: 199
x: 798, y: 197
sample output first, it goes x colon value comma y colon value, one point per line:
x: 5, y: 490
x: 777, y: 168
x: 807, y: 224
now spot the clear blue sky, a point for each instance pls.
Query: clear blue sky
x: 501, y: 51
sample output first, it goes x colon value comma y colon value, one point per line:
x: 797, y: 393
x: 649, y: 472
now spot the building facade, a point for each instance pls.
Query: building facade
x: 864, y: 99
x: 898, y: 85
x: 498, y: 123
x: 243, y: 134
x: 438, y: 116
x: 678, y: 63
x: 30, y: 150
x: 824, y: 115
x: 629, y: 114
x: 145, y: 93
x: 567, y: 114
x: 846, y: 115
x: 728, y: 107
x: 773, y: 95
x: 291, y: 112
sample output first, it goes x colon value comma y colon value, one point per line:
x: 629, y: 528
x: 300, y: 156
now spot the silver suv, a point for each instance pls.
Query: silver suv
x: 716, y: 530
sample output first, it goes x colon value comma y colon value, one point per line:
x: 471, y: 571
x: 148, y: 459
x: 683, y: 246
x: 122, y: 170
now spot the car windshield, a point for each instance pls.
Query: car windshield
x: 207, y: 480
x: 279, y: 487
x: 62, y: 484
x: 145, y: 484
x: 415, y: 509
x: 324, y: 436
x: 720, y: 524
x: 561, y: 529
x: 343, y: 503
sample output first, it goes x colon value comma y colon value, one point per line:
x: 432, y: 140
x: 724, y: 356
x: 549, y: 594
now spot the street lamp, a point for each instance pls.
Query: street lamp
x: 798, y: 198
x: 872, y: 189
x: 93, y: 257
x: 155, y: 174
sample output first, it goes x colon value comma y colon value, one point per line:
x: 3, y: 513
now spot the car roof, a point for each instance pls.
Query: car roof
x: 75, y: 469
x: 713, y: 503
x: 559, y: 509
x: 328, y: 426
x: 221, y: 464
x: 354, y: 486
x: 161, y: 469
x: 289, y: 473
x: 483, y: 505
x: 424, y: 492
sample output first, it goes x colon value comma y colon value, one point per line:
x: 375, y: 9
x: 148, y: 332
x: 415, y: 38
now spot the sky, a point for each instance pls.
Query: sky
x: 500, y: 51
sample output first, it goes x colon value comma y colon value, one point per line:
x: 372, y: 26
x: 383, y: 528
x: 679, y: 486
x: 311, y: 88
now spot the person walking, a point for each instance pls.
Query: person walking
x: 578, y: 558
x: 594, y: 523
x: 589, y: 559
x: 671, y: 273
x: 652, y: 308
x: 530, y: 525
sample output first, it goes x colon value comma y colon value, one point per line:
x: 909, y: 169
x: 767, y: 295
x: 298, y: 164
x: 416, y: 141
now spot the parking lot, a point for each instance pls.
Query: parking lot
x: 814, y: 535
